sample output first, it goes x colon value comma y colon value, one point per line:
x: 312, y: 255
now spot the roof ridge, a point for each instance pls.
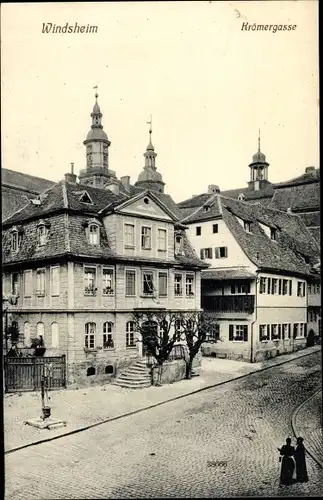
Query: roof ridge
x: 198, y: 208
x: 28, y: 175
x: 64, y: 193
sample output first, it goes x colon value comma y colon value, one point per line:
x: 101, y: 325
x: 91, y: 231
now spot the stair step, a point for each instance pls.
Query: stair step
x: 138, y: 369
x: 133, y: 376
x: 131, y: 385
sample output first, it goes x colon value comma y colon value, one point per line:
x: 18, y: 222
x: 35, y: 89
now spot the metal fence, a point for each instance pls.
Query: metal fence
x: 25, y: 373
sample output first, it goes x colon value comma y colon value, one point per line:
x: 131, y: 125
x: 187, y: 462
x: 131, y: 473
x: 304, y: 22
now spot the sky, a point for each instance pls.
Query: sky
x: 208, y: 84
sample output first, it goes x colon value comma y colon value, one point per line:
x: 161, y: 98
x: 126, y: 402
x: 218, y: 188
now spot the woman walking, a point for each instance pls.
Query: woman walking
x: 299, y: 454
x: 287, y: 468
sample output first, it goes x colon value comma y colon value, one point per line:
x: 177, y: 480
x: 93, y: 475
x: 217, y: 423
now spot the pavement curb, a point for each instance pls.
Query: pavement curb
x: 134, y: 412
x: 309, y: 450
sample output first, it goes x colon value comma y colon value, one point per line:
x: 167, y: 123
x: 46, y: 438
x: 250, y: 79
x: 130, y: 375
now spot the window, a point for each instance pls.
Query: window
x: 285, y: 331
x: 15, y: 284
x: 213, y: 333
x: 290, y: 287
x: 40, y: 282
x: 178, y: 290
x: 54, y: 281
x: 274, y: 286
x: 42, y: 235
x: 273, y: 234
x: 275, y: 332
x: 268, y: 285
x: 300, y: 289
x: 89, y: 340
x: 27, y: 333
x: 148, y: 282
x: 108, y: 342
x: 146, y: 237
x: 221, y: 252
x: 178, y: 245
x: 89, y: 280
x: 162, y: 240
x: 215, y: 228
x: 206, y: 208
x: 162, y: 284
x: 107, y: 281
x: 299, y: 330
x: 263, y: 333
x: 238, y: 333
x: 28, y: 283
x: 129, y: 234
x: 262, y: 287
x: 90, y: 371
x: 206, y: 253
x: 190, y: 284
x: 93, y: 234
x: 55, y: 335
x: 240, y: 288
x: 285, y: 287
x: 247, y: 226
x: 40, y: 330
x: 198, y: 231
x: 130, y: 334
x: 130, y: 282
x: 14, y: 241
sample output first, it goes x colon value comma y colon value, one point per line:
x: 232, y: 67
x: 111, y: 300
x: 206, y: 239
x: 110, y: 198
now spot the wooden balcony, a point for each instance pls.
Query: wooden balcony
x: 229, y: 303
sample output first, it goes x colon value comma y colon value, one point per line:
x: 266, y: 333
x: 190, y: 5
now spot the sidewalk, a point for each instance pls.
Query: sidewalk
x: 87, y: 407
x: 307, y: 422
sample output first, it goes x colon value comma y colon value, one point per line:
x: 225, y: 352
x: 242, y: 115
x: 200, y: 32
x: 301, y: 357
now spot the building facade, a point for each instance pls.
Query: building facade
x: 79, y: 259
x: 257, y: 286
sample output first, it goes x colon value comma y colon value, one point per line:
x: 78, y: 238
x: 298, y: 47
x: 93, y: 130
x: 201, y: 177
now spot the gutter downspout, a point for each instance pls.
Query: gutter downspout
x: 252, y: 324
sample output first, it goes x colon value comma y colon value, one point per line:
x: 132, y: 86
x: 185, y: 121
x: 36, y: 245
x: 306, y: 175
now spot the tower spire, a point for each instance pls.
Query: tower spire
x: 259, y: 141
x: 150, y: 146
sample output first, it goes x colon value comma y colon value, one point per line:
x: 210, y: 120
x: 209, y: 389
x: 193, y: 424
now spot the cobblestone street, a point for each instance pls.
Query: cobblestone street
x: 175, y: 450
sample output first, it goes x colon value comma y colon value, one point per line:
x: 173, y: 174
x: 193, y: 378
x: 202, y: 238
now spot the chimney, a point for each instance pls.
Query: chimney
x: 113, y: 187
x: 125, y: 181
x: 309, y: 170
x: 289, y: 210
x: 70, y: 176
x: 212, y: 189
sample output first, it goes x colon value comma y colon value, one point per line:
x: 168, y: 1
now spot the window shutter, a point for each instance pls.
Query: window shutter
x: 233, y: 289
x: 289, y: 330
x: 245, y: 333
x: 248, y: 288
x: 216, y: 252
x: 225, y: 251
x: 230, y: 332
x: 280, y: 287
x: 295, y: 330
x: 272, y: 287
x: 305, y: 329
x: 210, y: 253
x: 268, y: 331
x: 202, y: 253
x: 268, y: 285
x: 279, y: 330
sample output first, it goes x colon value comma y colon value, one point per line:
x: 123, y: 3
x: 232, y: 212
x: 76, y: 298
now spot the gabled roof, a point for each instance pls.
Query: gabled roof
x: 228, y: 273
x: 304, y: 197
x: 22, y: 181
x: 307, y: 178
x: 160, y: 201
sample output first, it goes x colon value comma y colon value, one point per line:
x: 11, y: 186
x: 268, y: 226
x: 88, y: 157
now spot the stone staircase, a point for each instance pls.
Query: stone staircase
x: 136, y: 376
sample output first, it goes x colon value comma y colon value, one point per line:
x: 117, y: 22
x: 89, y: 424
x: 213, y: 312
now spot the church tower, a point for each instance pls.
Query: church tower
x: 149, y: 178
x: 97, y: 172
x: 258, y: 170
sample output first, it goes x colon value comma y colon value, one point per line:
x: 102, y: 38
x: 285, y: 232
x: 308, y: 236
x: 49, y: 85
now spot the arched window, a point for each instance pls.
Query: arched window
x: 90, y: 329
x: 55, y: 335
x: 42, y: 235
x: 27, y: 333
x: 93, y: 234
x: 108, y: 342
x: 90, y: 371
x: 40, y: 331
x: 130, y: 334
x: 14, y: 332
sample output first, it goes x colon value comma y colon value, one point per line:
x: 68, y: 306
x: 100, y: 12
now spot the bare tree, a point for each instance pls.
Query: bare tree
x: 196, y: 328
x: 155, y: 328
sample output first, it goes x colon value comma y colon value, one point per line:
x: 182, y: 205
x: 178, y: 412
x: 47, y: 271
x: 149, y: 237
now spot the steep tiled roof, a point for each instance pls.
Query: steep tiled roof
x: 307, y: 177
x: 304, y: 197
x: 19, y: 180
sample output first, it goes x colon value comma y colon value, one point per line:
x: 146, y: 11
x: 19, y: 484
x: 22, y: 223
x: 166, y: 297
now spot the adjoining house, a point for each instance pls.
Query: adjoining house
x: 261, y: 262
x: 79, y: 258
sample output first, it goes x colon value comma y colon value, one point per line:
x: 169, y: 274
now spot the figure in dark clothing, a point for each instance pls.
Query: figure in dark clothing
x: 287, y: 469
x: 299, y: 454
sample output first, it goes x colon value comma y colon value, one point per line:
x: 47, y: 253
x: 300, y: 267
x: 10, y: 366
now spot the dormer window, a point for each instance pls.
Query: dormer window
x: 94, y: 234
x: 14, y: 241
x: 241, y: 197
x: 273, y: 234
x: 247, y: 226
x: 178, y: 245
x: 85, y: 198
x: 42, y: 235
x: 206, y: 209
